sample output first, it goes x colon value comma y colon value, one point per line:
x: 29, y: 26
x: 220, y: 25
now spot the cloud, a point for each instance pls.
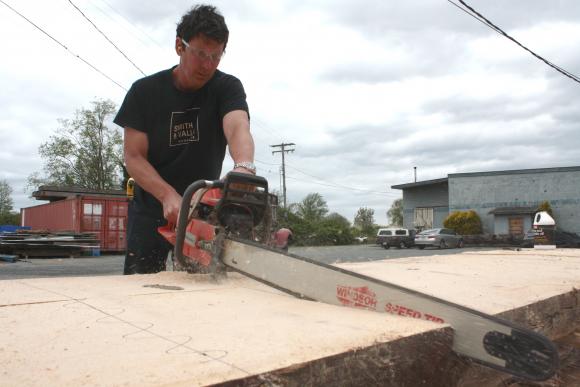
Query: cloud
x: 366, y: 90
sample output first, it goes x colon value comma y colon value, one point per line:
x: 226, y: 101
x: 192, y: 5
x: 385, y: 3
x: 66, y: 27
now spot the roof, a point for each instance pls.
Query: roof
x: 420, y: 183
x: 513, y: 210
x: 490, y: 173
x: 517, y: 171
x: 53, y: 193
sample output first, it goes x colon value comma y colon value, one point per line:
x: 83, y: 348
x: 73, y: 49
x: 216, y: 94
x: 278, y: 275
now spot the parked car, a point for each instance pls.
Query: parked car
x: 438, y: 237
x: 397, y: 237
x: 561, y: 239
x: 361, y: 239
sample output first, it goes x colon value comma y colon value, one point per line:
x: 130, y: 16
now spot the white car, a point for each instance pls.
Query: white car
x: 361, y: 239
x: 438, y: 237
x: 395, y: 237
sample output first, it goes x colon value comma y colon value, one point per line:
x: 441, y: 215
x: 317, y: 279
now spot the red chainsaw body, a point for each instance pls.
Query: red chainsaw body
x: 236, y: 208
x: 197, y: 232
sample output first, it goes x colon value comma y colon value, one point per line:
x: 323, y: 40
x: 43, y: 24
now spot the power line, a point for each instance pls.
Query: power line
x: 472, y: 15
x: 331, y: 184
x: 129, y: 23
x: 263, y: 162
x: 328, y: 184
x: 380, y: 193
x: 115, y: 20
x: 277, y: 173
x: 487, y: 22
x: 106, y: 37
x: 267, y: 129
x: 63, y: 46
x: 263, y: 134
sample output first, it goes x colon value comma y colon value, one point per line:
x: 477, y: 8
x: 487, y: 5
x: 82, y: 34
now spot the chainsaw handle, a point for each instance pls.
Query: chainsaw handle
x: 184, y: 213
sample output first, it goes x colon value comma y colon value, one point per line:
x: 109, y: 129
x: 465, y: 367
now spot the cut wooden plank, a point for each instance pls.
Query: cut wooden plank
x: 202, y: 334
x: 180, y: 329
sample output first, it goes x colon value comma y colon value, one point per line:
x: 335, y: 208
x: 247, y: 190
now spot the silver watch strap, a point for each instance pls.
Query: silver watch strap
x: 246, y: 165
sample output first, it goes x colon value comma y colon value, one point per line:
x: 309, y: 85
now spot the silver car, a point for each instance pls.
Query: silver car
x: 438, y: 237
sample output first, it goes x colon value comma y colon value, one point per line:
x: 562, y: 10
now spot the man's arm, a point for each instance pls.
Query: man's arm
x: 237, y: 131
x: 136, y: 146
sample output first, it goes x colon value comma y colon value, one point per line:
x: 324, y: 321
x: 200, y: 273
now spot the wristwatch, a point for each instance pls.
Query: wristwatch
x: 247, y: 165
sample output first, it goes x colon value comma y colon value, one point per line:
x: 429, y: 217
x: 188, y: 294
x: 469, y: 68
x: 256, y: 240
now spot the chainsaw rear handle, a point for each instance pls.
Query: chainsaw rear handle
x: 184, y: 214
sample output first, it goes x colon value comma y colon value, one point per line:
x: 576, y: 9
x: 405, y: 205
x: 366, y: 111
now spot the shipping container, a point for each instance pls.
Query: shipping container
x: 103, y: 216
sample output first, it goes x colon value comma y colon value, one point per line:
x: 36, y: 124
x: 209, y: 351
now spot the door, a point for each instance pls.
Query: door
x: 92, y: 218
x: 423, y: 218
x: 115, y: 232
x: 516, y: 226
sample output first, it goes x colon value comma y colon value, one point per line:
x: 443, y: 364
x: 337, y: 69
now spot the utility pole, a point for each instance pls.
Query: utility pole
x: 283, y: 150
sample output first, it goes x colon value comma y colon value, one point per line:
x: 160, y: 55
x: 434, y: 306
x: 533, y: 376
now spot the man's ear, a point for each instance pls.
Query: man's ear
x: 179, y: 46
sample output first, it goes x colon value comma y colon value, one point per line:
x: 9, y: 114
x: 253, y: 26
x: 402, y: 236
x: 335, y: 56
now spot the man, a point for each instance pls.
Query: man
x: 282, y: 238
x: 177, y: 124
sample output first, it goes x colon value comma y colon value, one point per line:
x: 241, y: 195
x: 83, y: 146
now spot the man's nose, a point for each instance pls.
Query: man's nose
x: 207, y: 64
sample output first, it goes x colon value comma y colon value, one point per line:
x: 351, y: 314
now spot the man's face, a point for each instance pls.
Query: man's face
x: 199, y: 59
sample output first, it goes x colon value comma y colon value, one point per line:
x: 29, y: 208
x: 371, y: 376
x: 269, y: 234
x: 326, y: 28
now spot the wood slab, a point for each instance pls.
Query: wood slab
x: 178, y: 329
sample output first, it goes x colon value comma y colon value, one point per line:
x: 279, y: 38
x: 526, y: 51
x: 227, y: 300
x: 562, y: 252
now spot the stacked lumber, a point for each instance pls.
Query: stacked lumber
x: 42, y: 243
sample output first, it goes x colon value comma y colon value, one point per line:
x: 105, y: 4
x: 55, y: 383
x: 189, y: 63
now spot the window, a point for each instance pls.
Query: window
x: 92, y: 216
x: 92, y: 208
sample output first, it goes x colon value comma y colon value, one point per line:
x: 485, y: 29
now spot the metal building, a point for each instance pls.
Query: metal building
x: 504, y: 200
x: 103, y: 213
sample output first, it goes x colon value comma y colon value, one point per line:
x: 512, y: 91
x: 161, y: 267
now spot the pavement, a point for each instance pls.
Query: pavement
x: 113, y: 264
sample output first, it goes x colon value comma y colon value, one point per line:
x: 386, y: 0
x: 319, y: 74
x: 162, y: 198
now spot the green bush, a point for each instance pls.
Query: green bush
x: 12, y: 218
x: 330, y: 230
x: 545, y: 206
x: 328, y: 233
x: 464, y: 222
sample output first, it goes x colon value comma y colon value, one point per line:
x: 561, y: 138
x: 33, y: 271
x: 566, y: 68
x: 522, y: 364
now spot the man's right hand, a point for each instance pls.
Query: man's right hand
x: 136, y: 148
x: 171, y: 203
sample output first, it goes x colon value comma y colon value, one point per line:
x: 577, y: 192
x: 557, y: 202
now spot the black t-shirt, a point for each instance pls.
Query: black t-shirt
x: 184, y: 129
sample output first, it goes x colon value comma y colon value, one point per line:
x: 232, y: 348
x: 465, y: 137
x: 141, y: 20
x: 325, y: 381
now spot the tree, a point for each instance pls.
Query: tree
x: 365, y: 220
x: 302, y: 230
x: 312, y: 208
x: 6, y: 202
x: 333, y: 230
x: 84, y: 152
x: 395, y: 213
x: 338, y: 219
x: 545, y: 206
x: 310, y: 226
x: 7, y: 216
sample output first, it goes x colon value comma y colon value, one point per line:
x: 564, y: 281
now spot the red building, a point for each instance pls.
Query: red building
x: 79, y: 210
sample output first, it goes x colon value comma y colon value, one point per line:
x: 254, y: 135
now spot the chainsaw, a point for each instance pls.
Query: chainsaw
x: 227, y: 224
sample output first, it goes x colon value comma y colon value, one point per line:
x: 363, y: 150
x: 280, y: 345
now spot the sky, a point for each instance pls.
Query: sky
x: 367, y: 90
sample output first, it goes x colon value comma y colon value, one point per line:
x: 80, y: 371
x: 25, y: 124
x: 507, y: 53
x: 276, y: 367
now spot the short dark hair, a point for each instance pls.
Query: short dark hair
x: 203, y: 20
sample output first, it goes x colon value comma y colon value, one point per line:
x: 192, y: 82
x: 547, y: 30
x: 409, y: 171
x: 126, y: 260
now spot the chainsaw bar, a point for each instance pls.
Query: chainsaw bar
x: 486, y: 339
